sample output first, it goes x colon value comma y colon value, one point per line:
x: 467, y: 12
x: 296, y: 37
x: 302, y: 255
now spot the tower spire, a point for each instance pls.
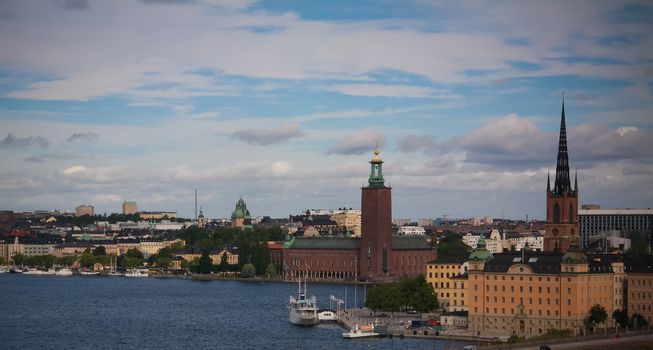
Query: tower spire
x: 548, y: 181
x: 576, y: 182
x: 562, y: 182
x: 376, y: 172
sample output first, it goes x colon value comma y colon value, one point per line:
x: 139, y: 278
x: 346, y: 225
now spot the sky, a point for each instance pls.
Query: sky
x: 281, y: 102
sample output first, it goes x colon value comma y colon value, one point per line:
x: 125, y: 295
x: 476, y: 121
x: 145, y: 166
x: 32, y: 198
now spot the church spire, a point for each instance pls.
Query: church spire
x: 548, y: 181
x: 562, y: 182
x: 576, y: 182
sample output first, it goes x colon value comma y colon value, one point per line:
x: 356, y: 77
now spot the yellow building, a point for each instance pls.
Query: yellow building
x: 129, y: 208
x: 640, y: 288
x: 157, y: 215
x: 84, y: 210
x: 528, y: 293
x: 351, y: 219
x: 216, y: 258
x: 448, y: 277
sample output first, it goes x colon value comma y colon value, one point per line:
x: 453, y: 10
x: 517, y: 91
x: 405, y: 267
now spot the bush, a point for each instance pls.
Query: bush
x: 248, y: 271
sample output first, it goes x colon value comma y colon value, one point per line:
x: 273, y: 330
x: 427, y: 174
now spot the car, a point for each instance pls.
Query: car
x: 470, y: 347
x: 545, y: 347
x: 616, y: 336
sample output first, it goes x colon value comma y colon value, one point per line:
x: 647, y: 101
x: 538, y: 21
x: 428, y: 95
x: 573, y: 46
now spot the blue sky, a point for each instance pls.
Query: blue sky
x: 281, y: 101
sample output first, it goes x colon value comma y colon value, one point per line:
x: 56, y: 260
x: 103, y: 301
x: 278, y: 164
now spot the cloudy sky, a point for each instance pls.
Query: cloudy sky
x: 281, y: 101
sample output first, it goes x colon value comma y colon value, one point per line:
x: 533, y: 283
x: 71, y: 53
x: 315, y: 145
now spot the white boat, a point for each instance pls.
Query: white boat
x: 136, y: 273
x: 327, y: 316
x: 89, y: 273
x: 64, y: 272
x: 361, y: 332
x: 50, y: 272
x: 303, y: 310
x: 33, y: 272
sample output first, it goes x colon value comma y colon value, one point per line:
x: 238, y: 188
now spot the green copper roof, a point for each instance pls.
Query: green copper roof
x: 480, y: 253
x: 376, y: 170
x: 574, y: 257
x: 323, y: 243
x: 409, y: 242
x: 241, y: 210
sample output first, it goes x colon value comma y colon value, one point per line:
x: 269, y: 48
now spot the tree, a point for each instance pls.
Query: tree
x: 621, y: 317
x: 248, y: 271
x: 408, y: 294
x: 2, y: 260
x: 453, y: 245
x: 163, y: 262
x: 637, y: 321
x: 87, y: 259
x: 66, y: 260
x: 134, y: 253
x: 19, y: 259
x: 271, y: 271
x: 204, y: 265
x: 101, y: 250
x: 224, y: 263
x: 130, y: 262
x: 597, y: 314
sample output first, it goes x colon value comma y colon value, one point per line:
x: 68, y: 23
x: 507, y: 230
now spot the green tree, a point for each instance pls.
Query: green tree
x: 453, y: 245
x: 163, y: 262
x: 19, y: 259
x: 205, y: 265
x: 87, y: 259
x: 134, y: 253
x: 621, y: 317
x: 130, y: 262
x: 638, y: 320
x: 271, y: 270
x: 597, y: 314
x: 66, y: 260
x: 101, y: 250
x: 224, y: 263
x: 248, y: 271
x: 2, y: 260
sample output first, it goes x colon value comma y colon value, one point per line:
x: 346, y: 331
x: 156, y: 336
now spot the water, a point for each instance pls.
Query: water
x: 91, y: 312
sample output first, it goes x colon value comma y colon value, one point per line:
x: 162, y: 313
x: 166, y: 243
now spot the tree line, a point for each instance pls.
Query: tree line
x: 408, y: 294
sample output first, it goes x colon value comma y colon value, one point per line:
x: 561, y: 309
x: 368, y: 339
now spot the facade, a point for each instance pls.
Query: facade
x: 376, y: 255
x: 129, y: 208
x: 640, y: 288
x: 411, y: 230
x: 84, y: 209
x: 447, y: 276
x: 527, y: 293
x: 595, y: 223
x: 241, y: 216
x: 157, y: 215
x: 561, y: 201
x: 349, y: 218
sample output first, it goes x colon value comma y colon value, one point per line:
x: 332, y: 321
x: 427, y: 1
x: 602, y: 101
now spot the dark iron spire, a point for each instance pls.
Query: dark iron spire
x: 548, y: 181
x: 576, y: 182
x: 562, y: 182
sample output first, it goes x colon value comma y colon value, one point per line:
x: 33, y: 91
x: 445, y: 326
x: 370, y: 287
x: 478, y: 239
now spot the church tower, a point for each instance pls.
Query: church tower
x: 561, y: 201
x: 376, y: 224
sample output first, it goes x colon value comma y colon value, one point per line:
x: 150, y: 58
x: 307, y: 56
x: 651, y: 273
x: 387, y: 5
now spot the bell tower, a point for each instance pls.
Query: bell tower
x: 375, y: 254
x: 562, y: 201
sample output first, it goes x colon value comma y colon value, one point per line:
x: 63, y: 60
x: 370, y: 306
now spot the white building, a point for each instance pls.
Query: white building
x: 595, y: 223
x: 411, y: 231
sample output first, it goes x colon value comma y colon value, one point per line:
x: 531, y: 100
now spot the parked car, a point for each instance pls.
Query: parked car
x: 545, y: 347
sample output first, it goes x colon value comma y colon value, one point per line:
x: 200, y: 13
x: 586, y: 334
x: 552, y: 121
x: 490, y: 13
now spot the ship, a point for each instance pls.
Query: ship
x: 303, y: 310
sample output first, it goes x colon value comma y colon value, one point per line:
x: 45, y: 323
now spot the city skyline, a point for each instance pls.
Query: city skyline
x: 281, y: 103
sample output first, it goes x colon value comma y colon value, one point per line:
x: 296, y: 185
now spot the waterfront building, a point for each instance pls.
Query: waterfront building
x: 129, y: 208
x: 527, y: 293
x: 639, y: 273
x: 241, y: 217
x: 561, y: 201
x: 84, y: 209
x: 597, y: 223
x: 447, y: 275
x: 216, y: 256
x: 376, y: 255
x: 411, y: 230
x: 158, y: 215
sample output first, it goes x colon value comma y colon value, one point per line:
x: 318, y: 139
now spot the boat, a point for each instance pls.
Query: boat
x: 85, y: 272
x: 327, y: 316
x: 366, y: 331
x: 136, y: 273
x: 50, y: 272
x: 33, y: 272
x: 64, y: 272
x: 303, y: 310
x: 114, y: 268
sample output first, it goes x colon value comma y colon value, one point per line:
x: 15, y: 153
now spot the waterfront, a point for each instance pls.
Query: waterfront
x: 81, y: 312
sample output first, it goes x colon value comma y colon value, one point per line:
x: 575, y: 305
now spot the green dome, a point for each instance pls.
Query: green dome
x: 480, y: 253
x: 574, y: 257
x: 241, y: 211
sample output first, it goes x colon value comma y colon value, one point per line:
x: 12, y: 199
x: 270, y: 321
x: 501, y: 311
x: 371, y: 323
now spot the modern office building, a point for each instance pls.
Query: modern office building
x: 597, y: 223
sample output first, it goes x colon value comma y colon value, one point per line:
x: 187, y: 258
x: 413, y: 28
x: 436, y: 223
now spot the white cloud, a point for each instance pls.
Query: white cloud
x: 74, y: 170
x: 281, y: 169
x: 371, y: 90
x: 266, y: 137
x: 107, y: 198
x: 358, y: 143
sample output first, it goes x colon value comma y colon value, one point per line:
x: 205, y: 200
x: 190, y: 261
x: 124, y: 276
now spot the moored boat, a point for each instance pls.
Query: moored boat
x: 303, y: 310
x: 366, y: 331
x: 64, y: 272
x: 136, y: 273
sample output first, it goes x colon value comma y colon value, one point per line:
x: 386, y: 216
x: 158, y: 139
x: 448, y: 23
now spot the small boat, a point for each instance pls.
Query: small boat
x: 361, y: 332
x: 64, y: 272
x: 327, y: 316
x: 15, y: 270
x: 33, y: 272
x: 303, y: 310
x: 50, y: 272
x: 89, y: 273
x: 136, y: 273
